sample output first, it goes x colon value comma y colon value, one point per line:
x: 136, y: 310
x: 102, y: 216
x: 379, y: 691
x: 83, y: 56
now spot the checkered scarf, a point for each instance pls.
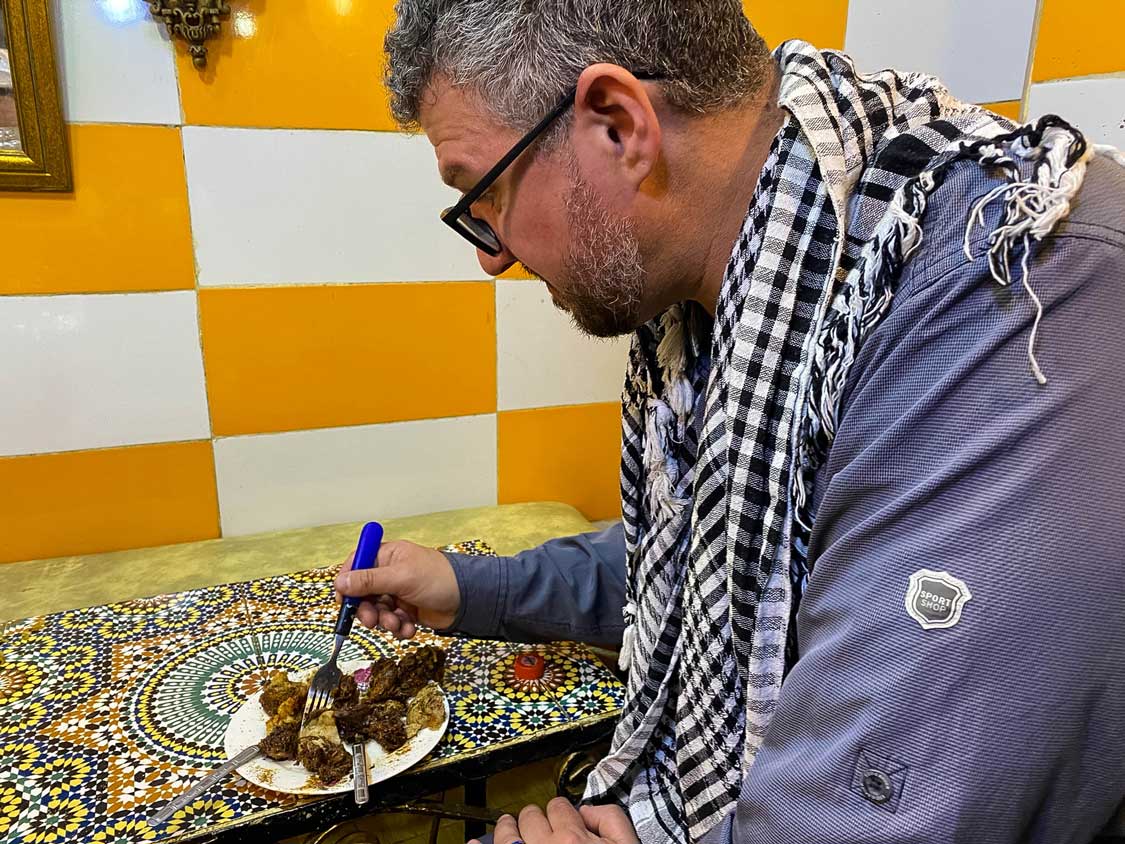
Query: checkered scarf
x: 725, y: 423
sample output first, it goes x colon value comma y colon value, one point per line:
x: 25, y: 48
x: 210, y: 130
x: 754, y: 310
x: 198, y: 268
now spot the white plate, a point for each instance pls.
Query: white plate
x: 248, y: 726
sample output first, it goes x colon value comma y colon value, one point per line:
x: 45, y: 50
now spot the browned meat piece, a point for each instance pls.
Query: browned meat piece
x: 351, y: 721
x: 346, y: 693
x: 279, y: 689
x: 388, y: 709
x: 289, y: 712
x: 384, y: 679
x: 326, y: 759
x: 385, y: 725
x: 426, y: 710
x: 418, y: 667
x: 281, y: 744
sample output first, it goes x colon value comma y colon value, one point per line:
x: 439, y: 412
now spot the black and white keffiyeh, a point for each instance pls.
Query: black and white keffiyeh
x: 724, y: 425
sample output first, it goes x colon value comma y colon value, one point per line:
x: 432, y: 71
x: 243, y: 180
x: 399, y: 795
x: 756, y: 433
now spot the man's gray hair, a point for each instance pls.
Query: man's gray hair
x: 521, y: 55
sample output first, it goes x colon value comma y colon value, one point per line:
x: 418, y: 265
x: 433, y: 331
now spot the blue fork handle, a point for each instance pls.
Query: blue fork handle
x: 366, y: 555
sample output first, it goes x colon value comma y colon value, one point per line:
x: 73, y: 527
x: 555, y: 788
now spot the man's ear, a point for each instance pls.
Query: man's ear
x: 615, y: 123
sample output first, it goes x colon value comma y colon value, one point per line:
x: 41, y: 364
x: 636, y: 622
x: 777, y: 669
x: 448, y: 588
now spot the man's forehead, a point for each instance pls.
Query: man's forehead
x: 460, y: 129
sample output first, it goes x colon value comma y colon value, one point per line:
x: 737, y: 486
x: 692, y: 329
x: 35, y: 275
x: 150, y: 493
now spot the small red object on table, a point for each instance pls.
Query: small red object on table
x: 530, y: 666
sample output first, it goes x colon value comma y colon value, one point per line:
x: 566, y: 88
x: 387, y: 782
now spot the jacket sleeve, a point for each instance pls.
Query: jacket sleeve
x: 991, y: 711
x: 571, y: 588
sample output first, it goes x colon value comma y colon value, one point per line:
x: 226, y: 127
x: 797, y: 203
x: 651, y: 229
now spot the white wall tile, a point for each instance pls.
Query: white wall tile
x: 304, y: 478
x: 1095, y: 105
x: 116, y: 64
x: 543, y: 360
x: 309, y: 206
x: 93, y: 371
x: 978, y: 49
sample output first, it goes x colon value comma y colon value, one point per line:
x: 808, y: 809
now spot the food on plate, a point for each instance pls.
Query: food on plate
x: 383, y: 680
x: 346, y: 693
x: 352, y: 720
x: 280, y: 742
x: 279, y: 689
x: 418, y: 667
x: 288, y: 712
x: 380, y: 720
x: 320, y: 751
x: 398, y: 699
x: 425, y: 711
x: 327, y: 761
x: 385, y: 724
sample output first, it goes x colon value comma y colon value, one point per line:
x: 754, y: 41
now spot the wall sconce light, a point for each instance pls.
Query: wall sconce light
x: 192, y: 20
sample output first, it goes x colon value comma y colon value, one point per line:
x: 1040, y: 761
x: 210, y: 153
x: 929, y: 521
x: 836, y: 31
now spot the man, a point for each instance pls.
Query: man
x: 867, y: 584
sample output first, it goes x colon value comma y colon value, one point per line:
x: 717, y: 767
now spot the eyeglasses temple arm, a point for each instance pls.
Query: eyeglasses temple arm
x: 486, y: 182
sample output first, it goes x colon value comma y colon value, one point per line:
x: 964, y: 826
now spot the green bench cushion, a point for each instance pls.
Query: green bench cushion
x: 39, y: 587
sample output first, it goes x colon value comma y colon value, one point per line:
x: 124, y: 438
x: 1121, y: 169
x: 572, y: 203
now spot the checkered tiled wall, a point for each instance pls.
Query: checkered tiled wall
x: 246, y: 316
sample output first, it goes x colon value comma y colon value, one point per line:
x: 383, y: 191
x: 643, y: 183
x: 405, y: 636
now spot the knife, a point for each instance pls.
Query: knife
x: 359, y: 772
x: 205, y: 784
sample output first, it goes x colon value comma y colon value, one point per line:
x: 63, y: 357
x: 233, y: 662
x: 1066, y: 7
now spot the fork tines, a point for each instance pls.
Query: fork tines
x: 321, y: 689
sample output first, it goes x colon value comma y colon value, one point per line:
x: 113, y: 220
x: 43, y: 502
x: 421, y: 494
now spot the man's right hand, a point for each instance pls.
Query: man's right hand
x: 410, y: 585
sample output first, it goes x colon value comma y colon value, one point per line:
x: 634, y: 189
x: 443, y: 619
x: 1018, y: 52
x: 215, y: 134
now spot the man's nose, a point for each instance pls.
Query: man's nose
x: 495, y: 264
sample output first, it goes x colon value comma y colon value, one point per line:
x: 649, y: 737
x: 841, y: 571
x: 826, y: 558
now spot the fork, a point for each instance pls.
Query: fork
x: 328, y: 675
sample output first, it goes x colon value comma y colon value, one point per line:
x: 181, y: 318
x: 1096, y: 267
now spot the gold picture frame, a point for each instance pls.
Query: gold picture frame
x: 40, y: 160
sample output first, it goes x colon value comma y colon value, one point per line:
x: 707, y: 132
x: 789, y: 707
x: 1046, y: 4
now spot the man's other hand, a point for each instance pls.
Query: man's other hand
x: 563, y: 824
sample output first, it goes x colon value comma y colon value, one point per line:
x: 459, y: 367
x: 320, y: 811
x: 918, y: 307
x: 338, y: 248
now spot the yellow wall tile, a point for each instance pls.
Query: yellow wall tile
x: 125, y: 226
x: 570, y: 454
x: 820, y: 22
x: 516, y: 271
x: 1008, y: 108
x: 84, y: 502
x: 314, y: 64
x: 293, y: 358
x: 1079, y: 39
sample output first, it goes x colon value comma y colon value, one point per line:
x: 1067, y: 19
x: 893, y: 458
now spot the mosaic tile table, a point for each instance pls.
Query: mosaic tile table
x: 106, y: 713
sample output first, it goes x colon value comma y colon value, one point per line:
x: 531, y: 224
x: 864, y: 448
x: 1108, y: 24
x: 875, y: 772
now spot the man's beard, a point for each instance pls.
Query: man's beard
x: 605, y: 276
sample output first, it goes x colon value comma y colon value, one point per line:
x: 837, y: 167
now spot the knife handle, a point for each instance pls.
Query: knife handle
x: 359, y: 772
x: 205, y: 784
x: 366, y: 557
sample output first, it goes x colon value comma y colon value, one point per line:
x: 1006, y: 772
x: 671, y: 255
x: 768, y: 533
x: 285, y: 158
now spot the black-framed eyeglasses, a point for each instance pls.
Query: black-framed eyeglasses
x: 459, y: 217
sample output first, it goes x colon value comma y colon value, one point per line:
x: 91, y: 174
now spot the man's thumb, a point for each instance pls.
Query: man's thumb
x: 376, y: 581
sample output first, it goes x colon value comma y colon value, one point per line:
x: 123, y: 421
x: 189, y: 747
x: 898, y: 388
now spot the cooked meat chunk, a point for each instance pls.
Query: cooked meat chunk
x: 385, y: 724
x: 289, y: 712
x: 418, y: 667
x: 351, y: 721
x: 384, y: 677
x: 387, y: 709
x: 279, y: 689
x: 426, y: 710
x: 346, y: 693
x: 326, y: 759
x: 281, y: 744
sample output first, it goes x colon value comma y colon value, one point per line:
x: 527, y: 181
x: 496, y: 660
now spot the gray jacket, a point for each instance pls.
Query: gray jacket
x: 1008, y: 726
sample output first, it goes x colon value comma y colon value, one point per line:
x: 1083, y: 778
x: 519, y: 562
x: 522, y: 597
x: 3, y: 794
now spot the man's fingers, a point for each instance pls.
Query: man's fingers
x: 609, y: 822
x: 368, y: 615
x: 506, y: 831
x: 563, y: 816
x: 534, y: 824
x: 390, y: 622
x: 406, y: 623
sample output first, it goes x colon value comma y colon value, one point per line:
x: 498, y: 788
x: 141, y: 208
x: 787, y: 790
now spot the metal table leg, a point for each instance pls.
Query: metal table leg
x: 476, y: 794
